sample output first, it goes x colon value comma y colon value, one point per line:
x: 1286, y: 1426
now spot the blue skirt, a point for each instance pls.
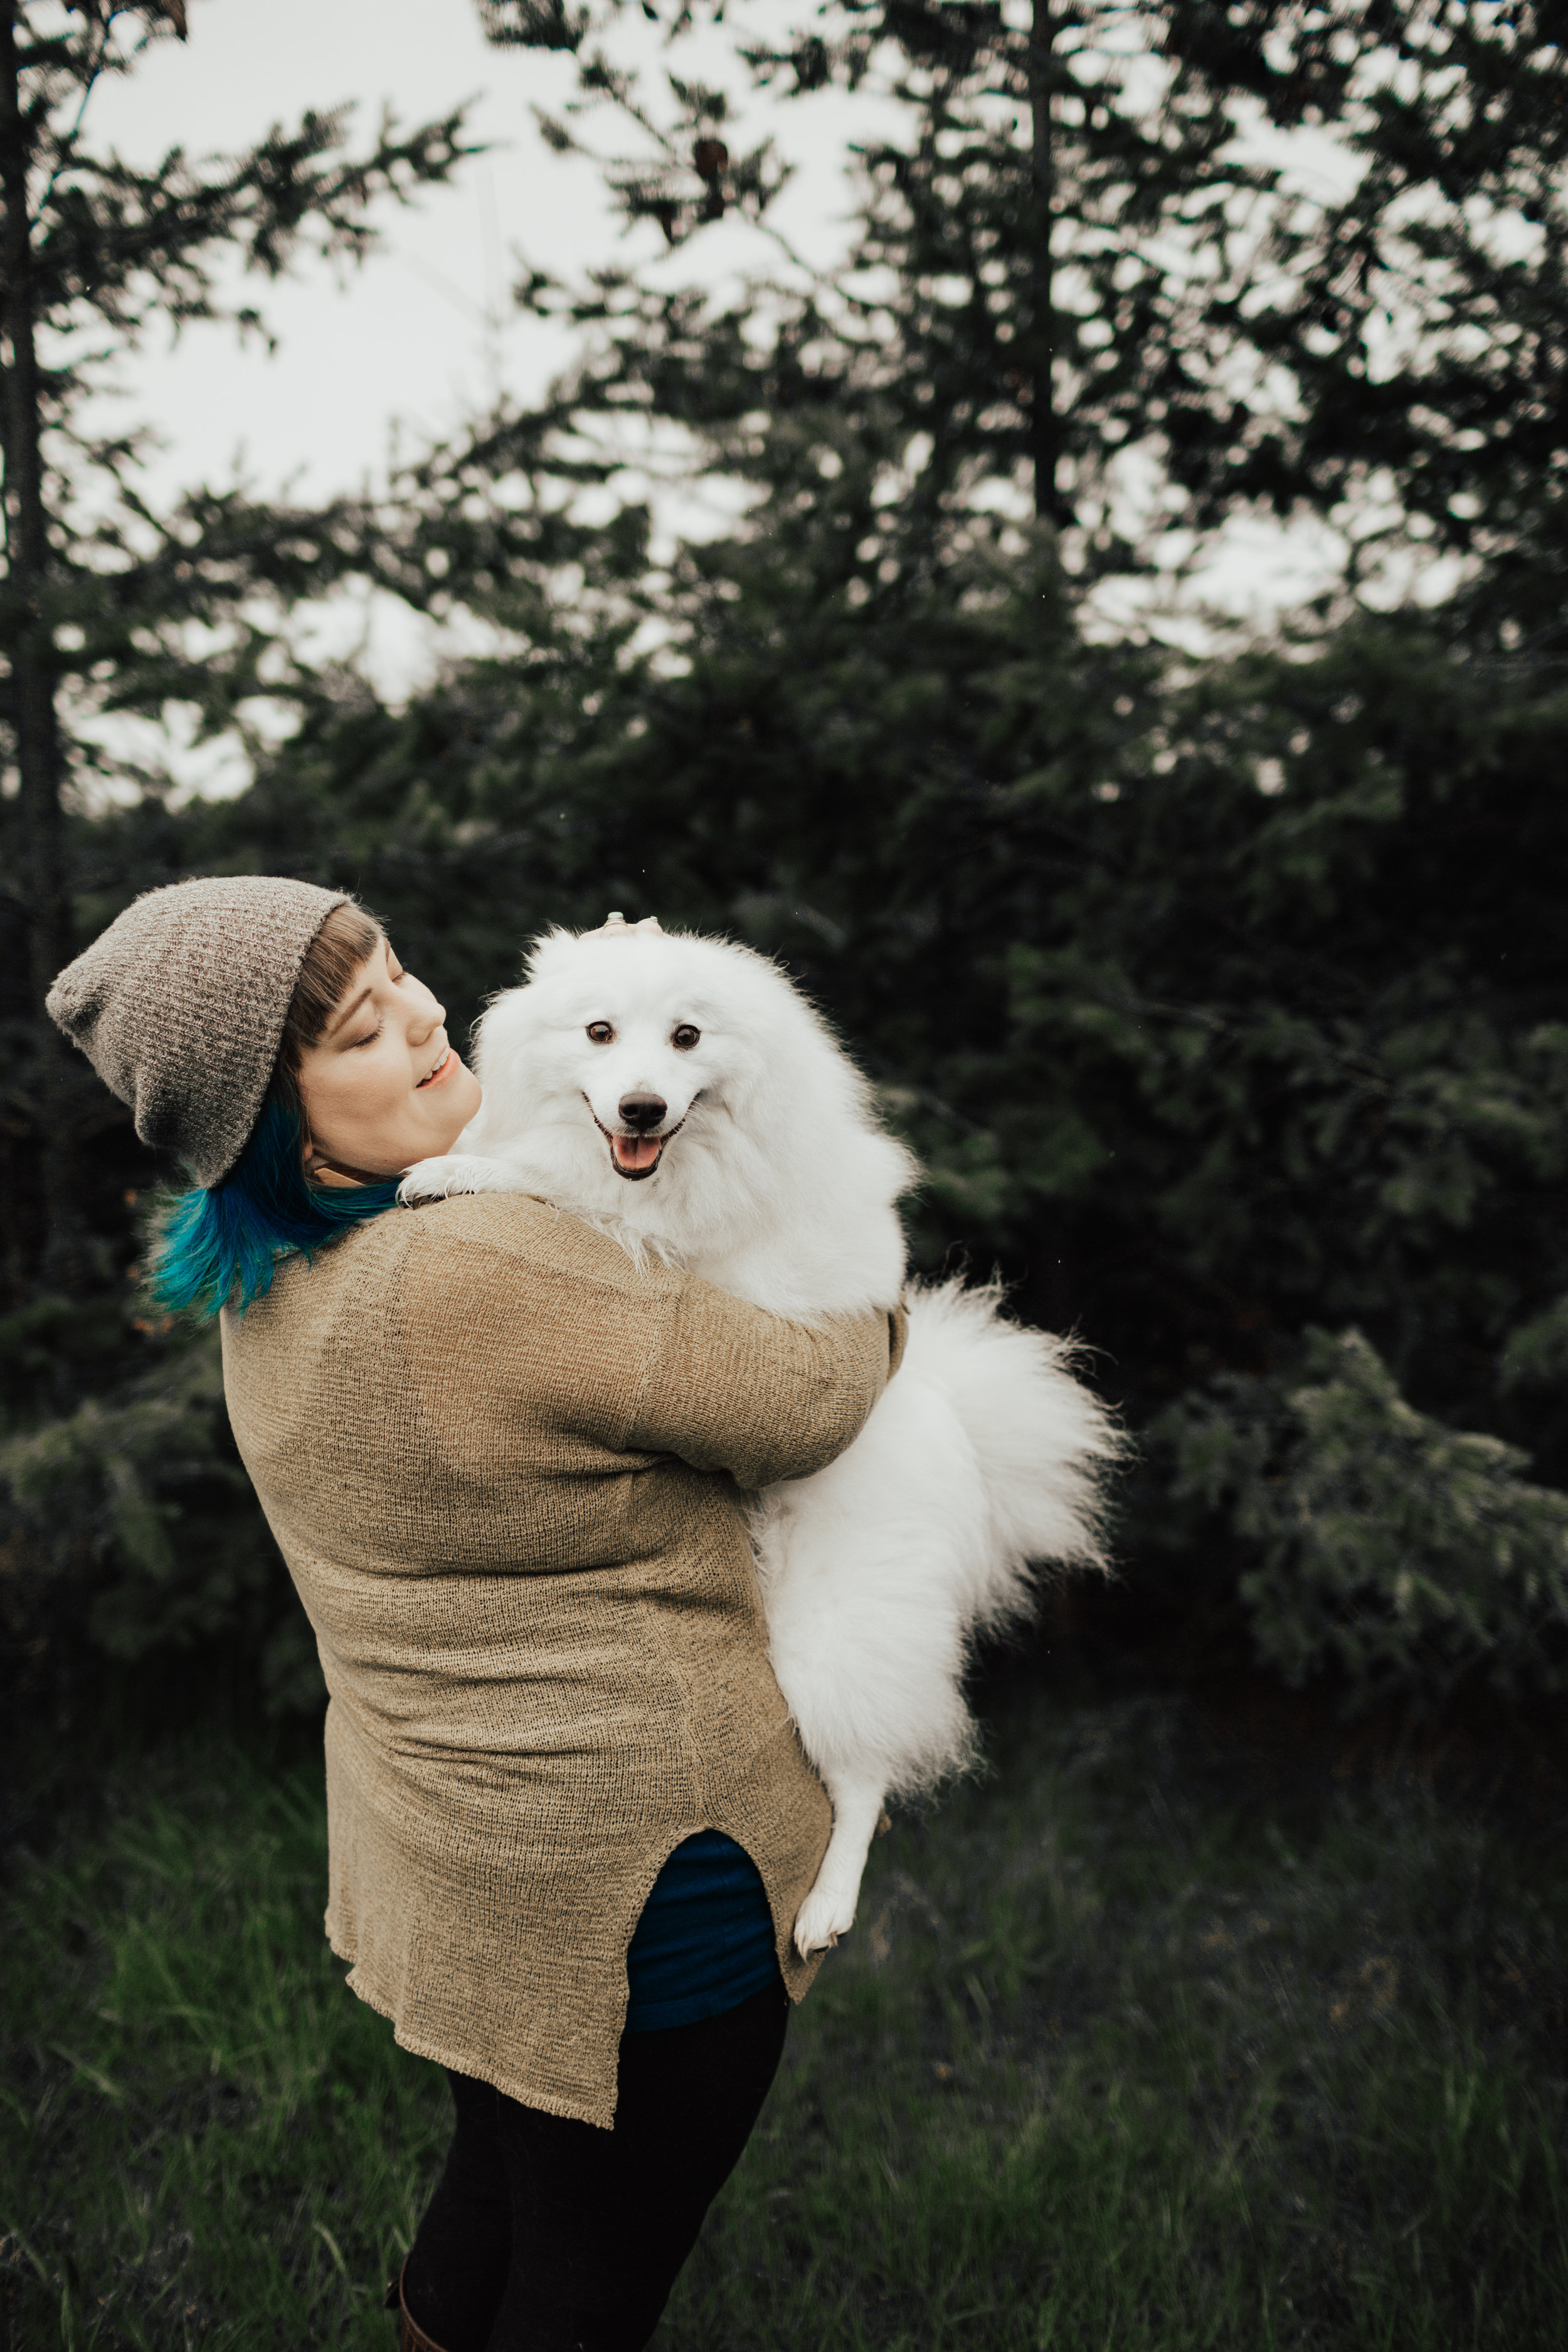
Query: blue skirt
x: 705, y: 1940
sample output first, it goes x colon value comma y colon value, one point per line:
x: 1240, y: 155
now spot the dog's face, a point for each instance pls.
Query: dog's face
x: 631, y: 1045
x: 683, y: 1088
x: 644, y: 1069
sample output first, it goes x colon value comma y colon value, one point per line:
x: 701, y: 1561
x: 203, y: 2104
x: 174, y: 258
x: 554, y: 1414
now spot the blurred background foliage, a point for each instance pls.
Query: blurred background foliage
x: 1219, y: 990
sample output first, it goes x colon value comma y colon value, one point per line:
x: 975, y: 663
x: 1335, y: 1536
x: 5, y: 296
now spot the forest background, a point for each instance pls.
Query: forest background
x: 1214, y: 975
x: 876, y: 613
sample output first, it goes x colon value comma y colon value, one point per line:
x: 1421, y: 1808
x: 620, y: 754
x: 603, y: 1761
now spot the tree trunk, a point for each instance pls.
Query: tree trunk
x: 1045, y: 434
x: 29, y: 643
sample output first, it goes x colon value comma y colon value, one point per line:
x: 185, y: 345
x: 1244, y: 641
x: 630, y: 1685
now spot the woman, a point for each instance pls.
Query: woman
x: 571, y: 1823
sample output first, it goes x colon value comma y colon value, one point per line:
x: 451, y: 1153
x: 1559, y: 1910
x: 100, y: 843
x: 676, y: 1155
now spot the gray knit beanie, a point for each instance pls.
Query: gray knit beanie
x: 180, y: 1004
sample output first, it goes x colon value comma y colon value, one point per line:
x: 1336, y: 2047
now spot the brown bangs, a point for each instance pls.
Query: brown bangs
x: 348, y: 937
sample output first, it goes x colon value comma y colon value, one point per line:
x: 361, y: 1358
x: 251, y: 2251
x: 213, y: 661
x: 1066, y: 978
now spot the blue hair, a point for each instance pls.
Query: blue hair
x: 219, y: 1244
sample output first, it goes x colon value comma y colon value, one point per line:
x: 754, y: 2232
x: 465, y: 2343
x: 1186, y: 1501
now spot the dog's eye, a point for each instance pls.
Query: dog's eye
x: 685, y: 1038
x: 600, y: 1032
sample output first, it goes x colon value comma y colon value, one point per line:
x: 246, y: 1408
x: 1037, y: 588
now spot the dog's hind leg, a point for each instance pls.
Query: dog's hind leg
x: 830, y: 1909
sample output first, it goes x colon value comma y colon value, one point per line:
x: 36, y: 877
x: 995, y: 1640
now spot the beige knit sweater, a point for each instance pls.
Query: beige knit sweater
x: 502, y: 1463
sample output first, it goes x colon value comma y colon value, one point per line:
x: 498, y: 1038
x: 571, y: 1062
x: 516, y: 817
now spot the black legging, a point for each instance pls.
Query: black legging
x: 546, y: 2235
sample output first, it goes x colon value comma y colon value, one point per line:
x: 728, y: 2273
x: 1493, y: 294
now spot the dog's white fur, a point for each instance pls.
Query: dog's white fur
x: 777, y: 1182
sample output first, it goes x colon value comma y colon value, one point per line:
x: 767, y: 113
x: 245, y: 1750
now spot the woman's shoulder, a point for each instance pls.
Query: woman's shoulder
x: 476, y: 1227
x: 454, y: 1257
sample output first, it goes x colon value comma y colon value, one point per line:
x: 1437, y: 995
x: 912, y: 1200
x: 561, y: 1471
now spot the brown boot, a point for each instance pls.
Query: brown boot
x: 411, y: 2337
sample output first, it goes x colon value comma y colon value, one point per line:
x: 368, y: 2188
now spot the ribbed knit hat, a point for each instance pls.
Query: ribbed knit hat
x: 180, y: 1004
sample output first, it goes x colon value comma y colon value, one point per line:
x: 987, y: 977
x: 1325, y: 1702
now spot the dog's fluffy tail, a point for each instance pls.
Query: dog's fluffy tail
x: 983, y: 1462
x: 1044, y: 1444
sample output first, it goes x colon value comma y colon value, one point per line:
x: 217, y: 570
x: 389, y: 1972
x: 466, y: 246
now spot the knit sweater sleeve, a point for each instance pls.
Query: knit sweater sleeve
x: 731, y: 1387
x: 517, y: 1321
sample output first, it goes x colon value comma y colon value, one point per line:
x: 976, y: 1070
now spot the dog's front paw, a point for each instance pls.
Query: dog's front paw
x: 826, y: 1914
x: 454, y: 1171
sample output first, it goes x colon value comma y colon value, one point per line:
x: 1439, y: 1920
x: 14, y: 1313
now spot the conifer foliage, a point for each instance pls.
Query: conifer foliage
x: 1098, y: 240
x: 110, y: 607
x: 103, y: 593
x: 1222, y: 1003
x: 1220, y: 993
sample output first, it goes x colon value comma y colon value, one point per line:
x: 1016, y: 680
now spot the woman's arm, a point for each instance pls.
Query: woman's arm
x: 734, y: 1389
x: 517, y: 1319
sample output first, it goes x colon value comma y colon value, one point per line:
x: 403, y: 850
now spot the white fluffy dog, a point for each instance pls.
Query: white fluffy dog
x: 682, y: 1092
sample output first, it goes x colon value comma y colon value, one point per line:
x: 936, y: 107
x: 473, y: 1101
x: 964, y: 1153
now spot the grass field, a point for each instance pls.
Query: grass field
x: 1138, y: 2044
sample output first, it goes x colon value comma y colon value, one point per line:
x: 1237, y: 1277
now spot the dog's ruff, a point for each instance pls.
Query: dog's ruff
x: 777, y: 1182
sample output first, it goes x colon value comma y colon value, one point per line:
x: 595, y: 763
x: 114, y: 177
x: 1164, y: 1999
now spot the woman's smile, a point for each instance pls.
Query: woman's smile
x: 443, y: 1070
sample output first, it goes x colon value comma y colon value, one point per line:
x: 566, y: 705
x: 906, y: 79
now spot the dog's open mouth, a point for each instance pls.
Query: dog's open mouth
x: 633, y: 1156
x: 636, y: 1155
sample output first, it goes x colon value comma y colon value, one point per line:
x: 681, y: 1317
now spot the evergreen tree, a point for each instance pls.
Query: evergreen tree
x: 1219, y: 996
x: 1219, y: 1006
x: 101, y: 592
x: 1090, y: 261
x: 126, y: 1515
x: 1026, y: 282
x: 1413, y: 1556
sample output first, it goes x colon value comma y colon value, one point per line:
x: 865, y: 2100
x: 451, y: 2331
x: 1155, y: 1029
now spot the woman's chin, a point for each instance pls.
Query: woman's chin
x: 449, y: 1112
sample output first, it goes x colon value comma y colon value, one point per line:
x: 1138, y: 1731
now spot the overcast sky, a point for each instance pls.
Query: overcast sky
x: 418, y: 338
x: 403, y: 341
x: 405, y: 337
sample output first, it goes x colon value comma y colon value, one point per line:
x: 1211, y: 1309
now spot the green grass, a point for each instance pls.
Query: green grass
x: 1134, y: 2047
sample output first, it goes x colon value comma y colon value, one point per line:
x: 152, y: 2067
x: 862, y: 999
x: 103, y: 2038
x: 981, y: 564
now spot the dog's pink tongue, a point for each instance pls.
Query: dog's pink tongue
x: 636, y: 1151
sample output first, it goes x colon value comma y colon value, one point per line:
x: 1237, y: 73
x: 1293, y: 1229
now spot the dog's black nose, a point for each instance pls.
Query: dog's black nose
x: 642, y: 1113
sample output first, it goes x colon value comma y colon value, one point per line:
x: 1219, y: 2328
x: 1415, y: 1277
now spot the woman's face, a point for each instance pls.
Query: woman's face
x: 381, y: 1087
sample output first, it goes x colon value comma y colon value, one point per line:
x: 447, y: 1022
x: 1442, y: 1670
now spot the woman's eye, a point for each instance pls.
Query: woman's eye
x: 368, y: 1039
x: 685, y: 1038
x: 600, y: 1032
